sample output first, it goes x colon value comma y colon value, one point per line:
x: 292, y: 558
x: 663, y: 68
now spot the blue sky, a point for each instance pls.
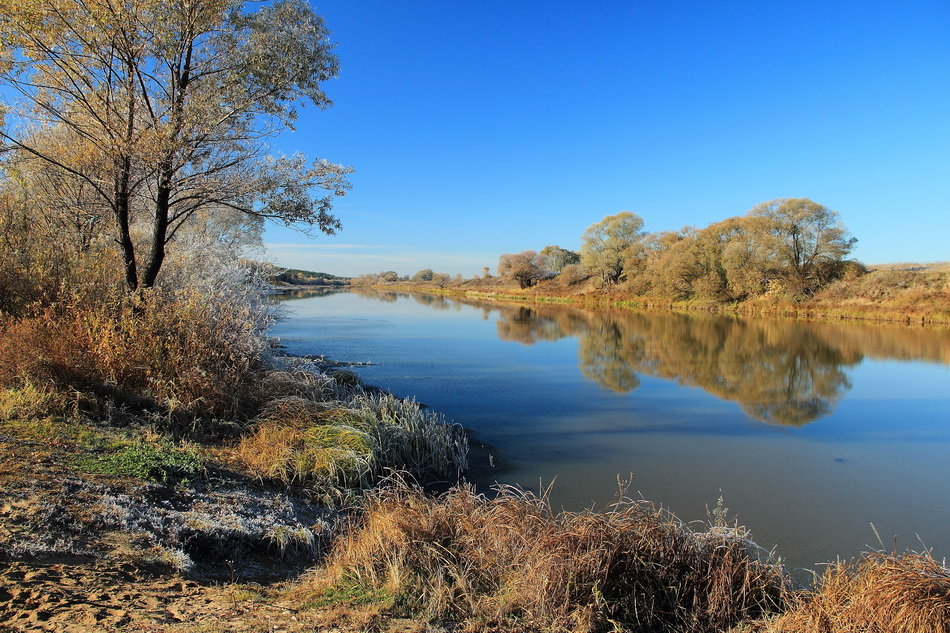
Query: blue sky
x: 479, y: 128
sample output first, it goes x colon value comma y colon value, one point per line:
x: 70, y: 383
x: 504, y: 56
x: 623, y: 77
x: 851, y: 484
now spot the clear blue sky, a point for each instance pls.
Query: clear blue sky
x: 483, y: 127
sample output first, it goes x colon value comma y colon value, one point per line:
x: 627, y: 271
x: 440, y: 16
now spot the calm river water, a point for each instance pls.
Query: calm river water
x: 811, y: 432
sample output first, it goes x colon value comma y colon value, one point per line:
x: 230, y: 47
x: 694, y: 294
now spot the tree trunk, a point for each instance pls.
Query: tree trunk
x: 159, y: 231
x: 121, y: 209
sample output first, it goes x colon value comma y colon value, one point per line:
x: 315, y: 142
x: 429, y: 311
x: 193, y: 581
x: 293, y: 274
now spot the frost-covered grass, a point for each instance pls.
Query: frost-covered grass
x: 334, y: 438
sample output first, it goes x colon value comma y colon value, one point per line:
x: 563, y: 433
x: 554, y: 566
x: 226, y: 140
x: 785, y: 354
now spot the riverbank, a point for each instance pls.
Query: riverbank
x: 184, y: 537
x: 118, y: 520
x: 134, y: 504
x: 899, y: 297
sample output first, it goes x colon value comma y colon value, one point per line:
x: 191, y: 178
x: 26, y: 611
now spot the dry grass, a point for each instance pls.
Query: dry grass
x: 882, y: 593
x: 927, y: 266
x: 300, y: 442
x: 176, y: 351
x: 512, y: 562
x: 334, y: 448
x: 29, y: 400
x: 302, y: 384
x: 893, y: 287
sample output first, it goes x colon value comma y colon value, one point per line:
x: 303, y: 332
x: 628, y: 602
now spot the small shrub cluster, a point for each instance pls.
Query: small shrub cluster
x: 176, y: 351
x: 512, y: 560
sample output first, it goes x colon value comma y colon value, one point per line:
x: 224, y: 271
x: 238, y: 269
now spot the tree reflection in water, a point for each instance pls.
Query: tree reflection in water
x: 780, y: 372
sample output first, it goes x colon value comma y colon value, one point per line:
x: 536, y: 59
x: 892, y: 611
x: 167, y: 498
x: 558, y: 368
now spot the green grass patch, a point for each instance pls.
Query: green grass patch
x: 352, y: 593
x: 161, y: 461
x: 59, y: 431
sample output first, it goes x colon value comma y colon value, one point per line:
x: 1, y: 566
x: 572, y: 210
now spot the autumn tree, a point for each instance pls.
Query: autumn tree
x: 527, y: 268
x: 607, y: 244
x: 426, y: 274
x: 806, y: 241
x: 159, y: 110
x: 556, y: 258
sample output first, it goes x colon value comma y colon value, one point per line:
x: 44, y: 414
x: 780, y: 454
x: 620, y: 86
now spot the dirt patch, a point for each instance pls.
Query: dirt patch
x: 77, y: 597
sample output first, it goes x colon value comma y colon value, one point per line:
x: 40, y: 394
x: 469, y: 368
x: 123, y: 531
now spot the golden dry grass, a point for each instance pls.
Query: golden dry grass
x: 510, y: 561
x: 298, y: 441
x: 179, y: 352
x: 333, y: 447
x: 882, y: 593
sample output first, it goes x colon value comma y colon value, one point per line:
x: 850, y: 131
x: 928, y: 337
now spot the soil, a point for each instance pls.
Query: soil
x: 78, y: 596
x: 89, y: 553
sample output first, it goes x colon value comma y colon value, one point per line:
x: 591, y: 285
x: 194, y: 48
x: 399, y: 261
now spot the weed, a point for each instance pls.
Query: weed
x: 349, y: 592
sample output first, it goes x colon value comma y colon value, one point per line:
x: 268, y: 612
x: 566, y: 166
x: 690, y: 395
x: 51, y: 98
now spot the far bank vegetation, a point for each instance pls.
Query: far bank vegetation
x: 786, y: 256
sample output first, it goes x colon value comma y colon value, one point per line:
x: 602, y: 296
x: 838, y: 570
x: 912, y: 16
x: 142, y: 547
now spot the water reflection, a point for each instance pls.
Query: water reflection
x: 780, y: 372
x: 285, y: 293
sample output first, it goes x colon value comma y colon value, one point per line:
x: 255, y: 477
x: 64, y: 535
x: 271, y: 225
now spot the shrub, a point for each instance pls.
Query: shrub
x: 175, y: 350
x: 573, y: 274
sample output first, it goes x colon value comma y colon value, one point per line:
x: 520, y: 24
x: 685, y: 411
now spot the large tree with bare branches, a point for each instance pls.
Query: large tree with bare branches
x: 158, y: 110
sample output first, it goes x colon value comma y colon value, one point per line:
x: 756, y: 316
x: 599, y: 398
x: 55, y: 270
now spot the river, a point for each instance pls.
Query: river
x: 824, y: 439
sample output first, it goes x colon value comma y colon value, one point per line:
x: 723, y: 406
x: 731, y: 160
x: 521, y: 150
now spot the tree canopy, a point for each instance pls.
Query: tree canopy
x: 527, y: 267
x: 805, y: 240
x: 151, y: 112
x: 607, y: 244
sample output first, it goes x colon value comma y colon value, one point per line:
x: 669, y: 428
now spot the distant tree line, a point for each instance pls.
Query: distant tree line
x: 787, y: 247
x: 295, y: 277
x: 426, y: 275
x: 791, y: 246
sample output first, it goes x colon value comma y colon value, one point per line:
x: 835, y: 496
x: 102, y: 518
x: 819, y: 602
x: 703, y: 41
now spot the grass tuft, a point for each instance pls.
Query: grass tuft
x: 495, y: 562
x: 29, y: 400
x: 334, y: 448
x: 881, y: 593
